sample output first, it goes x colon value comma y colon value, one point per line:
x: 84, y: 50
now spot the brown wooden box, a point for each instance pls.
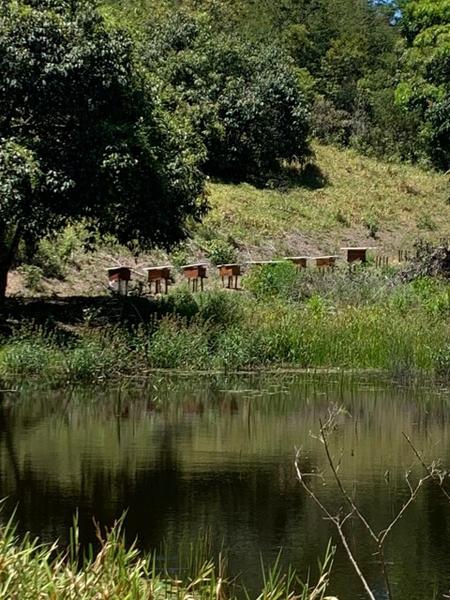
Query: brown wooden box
x: 157, y: 273
x: 356, y: 254
x: 299, y: 261
x: 194, y: 271
x: 119, y: 274
x: 325, y: 261
x: 231, y: 270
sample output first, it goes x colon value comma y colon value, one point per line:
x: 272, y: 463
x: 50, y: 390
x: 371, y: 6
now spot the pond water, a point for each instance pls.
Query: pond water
x: 189, y: 455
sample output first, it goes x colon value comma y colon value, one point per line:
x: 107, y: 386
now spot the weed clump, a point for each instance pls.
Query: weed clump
x: 34, y: 570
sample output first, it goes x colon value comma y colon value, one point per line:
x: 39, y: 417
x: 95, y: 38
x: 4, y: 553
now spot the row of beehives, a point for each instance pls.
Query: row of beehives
x: 160, y: 277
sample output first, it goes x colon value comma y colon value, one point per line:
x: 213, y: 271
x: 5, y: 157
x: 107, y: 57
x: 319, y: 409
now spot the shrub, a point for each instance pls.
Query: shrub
x: 220, y: 308
x: 372, y: 225
x: 270, y: 280
x: 55, y: 253
x: 220, y: 251
x: 32, y: 277
x: 180, y: 303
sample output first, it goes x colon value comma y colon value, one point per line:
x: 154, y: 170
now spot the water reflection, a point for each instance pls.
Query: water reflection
x: 186, y: 456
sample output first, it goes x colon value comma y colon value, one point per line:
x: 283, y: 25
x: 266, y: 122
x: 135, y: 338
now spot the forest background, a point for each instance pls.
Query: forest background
x: 114, y: 111
x: 373, y: 74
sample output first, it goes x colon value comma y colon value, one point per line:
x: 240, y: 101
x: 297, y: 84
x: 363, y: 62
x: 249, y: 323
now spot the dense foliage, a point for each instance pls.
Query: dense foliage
x: 83, y: 134
x: 375, y: 71
x: 425, y: 85
x: 244, y: 100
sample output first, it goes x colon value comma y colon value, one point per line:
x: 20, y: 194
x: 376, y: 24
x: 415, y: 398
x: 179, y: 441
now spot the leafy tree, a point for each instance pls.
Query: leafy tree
x: 244, y: 100
x: 83, y: 133
x: 425, y: 84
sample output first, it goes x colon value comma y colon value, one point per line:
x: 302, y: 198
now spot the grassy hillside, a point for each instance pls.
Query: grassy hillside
x: 398, y: 203
x: 348, y: 199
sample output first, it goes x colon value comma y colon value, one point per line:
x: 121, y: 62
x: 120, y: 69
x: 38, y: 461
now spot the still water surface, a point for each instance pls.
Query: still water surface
x: 189, y: 455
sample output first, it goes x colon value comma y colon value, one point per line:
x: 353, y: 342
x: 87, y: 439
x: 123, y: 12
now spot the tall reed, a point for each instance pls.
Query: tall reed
x: 404, y: 330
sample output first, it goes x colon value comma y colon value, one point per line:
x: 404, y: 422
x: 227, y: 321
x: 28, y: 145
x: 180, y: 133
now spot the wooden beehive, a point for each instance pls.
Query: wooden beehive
x: 157, y: 276
x: 196, y: 271
x: 119, y: 274
x: 158, y: 273
x: 230, y: 270
x: 356, y: 254
x: 299, y: 261
x: 325, y: 261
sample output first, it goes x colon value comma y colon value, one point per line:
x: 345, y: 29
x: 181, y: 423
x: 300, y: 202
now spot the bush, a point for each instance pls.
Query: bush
x: 180, y: 303
x: 220, y: 252
x: 372, y: 225
x: 220, y: 308
x: 32, y: 277
x: 54, y: 254
x: 270, y: 280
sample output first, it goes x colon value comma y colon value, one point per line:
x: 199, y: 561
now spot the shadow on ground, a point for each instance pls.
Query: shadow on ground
x: 52, y: 313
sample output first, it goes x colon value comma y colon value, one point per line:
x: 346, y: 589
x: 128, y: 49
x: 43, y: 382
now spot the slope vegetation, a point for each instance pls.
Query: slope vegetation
x: 345, y: 199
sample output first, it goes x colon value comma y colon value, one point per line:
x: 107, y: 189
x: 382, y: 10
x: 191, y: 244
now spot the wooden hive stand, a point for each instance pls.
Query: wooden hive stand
x: 119, y: 278
x: 325, y: 261
x: 195, y: 273
x: 300, y: 262
x: 159, y: 278
x: 230, y: 272
x: 356, y: 254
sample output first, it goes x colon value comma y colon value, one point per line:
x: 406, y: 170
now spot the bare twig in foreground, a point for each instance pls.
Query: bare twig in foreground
x: 338, y: 523
x: 378, y: 537
x: 436, y: 474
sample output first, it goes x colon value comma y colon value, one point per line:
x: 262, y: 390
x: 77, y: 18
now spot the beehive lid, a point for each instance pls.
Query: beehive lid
x: 194, y: 265
x: 358, y: 248
x: 158, y: 268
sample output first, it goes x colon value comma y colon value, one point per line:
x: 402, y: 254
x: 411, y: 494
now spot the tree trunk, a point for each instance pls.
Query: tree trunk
x: 7, y: 255
x: 3, y: 280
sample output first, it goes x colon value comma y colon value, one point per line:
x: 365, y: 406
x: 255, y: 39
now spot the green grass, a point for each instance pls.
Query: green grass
x: 30, y: 570
x: 364, y: 319
x: 360, y: 195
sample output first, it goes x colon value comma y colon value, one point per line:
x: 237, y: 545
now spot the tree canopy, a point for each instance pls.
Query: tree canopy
x: 425, y: 84
x: 244, y: 100
x: 83, y: 133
